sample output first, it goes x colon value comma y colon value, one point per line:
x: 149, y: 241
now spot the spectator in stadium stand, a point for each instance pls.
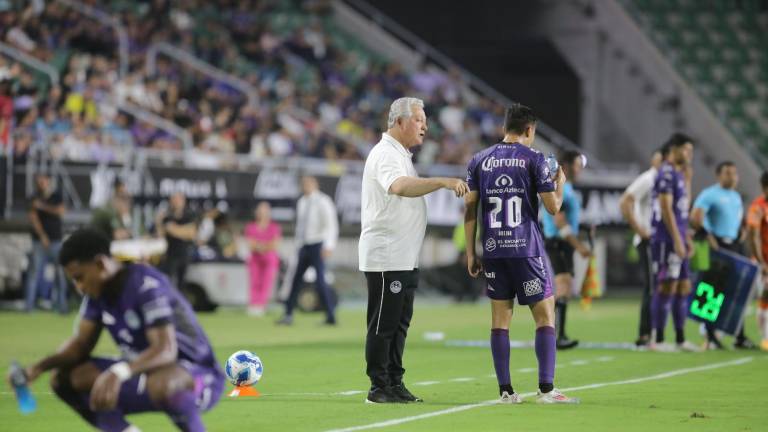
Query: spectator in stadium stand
x: 757, y: 223
x: 718, y: 213
x: 636, y: 207
x: 45, y: 212
x: 180, y: 231
x: 394, y: 220
x: 115, y: 220
x: 263, y: 235
x: 317, y: 231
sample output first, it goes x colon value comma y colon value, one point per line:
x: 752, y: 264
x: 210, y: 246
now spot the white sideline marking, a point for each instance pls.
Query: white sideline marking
x: 605, y: 359
x: 463, y: 379
x: 579, y: 362
x: 460, y: 408
x: 426, y: 383
x: 523, y: 370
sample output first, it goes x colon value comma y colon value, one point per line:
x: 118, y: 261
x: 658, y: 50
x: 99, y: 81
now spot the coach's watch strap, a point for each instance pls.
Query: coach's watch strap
x: 121, y: 370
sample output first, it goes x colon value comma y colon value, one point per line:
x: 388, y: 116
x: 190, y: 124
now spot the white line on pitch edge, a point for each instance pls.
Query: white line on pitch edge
x: 460, y: 408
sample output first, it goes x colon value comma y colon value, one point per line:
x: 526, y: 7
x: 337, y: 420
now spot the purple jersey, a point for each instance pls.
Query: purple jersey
x: 508, y: 178
x: 669, y: 181
x: 141, y: 297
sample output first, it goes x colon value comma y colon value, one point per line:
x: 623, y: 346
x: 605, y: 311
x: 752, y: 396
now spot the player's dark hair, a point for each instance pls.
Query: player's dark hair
x: 517, y: 118
x: 664, y: 150
x: 84, y: 245
x: 678, y: 139
x: 764, y: 180
x: 723, y: 165
x: 567, y: 158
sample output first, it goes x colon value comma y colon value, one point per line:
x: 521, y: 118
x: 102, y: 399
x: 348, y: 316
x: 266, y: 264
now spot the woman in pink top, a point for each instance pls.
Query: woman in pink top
x: 263, y: 237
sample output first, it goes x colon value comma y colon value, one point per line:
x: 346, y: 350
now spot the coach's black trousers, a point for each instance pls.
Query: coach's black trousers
x: 390, y: 308
x: 646, y: 262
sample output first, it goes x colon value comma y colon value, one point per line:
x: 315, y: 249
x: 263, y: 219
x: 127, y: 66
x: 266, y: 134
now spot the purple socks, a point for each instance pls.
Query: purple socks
x: 182, y: 409
x: 545, y: 353
x: 500, y: 352
x: 679, y: 314
x: 660, y: 304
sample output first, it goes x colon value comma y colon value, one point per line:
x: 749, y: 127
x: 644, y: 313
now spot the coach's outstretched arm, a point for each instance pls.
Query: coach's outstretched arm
x: 554, y: 200
x: 411, y: 187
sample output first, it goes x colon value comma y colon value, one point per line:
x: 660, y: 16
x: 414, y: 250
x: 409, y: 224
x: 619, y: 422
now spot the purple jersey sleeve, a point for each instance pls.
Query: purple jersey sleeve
x: 472, y: 179
x: 154, y: 301
x: 90, y: 310
x: 542, y: 176
x: 666, y: 182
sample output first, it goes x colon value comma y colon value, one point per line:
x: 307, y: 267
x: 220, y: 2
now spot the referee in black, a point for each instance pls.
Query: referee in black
x: 394, y: 219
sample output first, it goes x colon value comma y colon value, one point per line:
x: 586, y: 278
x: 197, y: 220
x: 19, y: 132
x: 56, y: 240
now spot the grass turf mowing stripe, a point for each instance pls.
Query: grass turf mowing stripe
x: 670, y: 374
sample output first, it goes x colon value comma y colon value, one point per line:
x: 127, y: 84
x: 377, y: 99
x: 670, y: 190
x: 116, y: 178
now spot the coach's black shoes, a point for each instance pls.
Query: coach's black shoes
x: 564, y: 343
x: 404, y: 394
x: 382, y: 395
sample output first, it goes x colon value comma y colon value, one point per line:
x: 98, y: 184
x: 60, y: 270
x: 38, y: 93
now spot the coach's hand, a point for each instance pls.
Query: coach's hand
x: 105, y: 391
x: 458, y: 186
x: 474, y: 266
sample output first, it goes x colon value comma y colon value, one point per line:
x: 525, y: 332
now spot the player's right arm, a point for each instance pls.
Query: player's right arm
x: 73, y: 351
x: 470, y: 231
x: 554, y: 200
x: 670, y: 221
x: 755, y: 216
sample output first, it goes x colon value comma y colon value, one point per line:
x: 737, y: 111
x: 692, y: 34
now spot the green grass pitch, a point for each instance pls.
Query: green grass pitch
x: 308, y: 368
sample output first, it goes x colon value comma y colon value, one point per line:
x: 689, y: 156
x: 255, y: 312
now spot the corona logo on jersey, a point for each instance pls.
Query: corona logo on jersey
x: 492, y: 163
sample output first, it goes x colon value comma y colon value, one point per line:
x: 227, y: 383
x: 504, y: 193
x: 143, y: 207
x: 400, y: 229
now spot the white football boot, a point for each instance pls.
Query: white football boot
x: 513, y: 398
x: 555, y: 397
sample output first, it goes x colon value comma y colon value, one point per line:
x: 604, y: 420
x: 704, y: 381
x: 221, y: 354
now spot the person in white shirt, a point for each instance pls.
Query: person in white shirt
x: 317, y: 230
x: 636, y: 206
x: 394, y: 219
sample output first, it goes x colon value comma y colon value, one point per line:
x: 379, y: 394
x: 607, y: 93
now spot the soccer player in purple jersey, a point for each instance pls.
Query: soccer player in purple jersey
x: 507, y: 180
x: 671, y: 245
x: 167, y: 362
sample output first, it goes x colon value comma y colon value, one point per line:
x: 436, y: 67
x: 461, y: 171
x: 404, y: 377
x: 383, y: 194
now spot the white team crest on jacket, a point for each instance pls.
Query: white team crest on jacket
x: 396, y: 287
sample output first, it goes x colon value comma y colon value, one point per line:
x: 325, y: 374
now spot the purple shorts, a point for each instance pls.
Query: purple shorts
x: 667, y: 266
x: 528, y: 279
x: 209, y: 382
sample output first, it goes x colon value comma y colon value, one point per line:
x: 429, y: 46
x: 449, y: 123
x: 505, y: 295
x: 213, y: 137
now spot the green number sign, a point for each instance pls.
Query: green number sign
x: 710, y: 309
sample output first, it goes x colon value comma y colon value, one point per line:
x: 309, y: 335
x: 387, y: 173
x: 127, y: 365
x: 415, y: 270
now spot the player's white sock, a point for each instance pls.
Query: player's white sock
x: 762, y: 320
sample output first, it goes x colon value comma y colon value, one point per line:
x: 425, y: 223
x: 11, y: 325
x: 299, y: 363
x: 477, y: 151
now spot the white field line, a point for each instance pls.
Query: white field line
x: 665, y: 375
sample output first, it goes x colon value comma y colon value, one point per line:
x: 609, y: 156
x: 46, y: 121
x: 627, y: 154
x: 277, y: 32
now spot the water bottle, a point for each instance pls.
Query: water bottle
x: 553, y: 165
x: 26, y: 401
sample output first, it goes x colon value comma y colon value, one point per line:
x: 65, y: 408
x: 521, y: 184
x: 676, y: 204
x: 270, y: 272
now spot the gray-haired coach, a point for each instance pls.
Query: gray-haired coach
x: 394, y: 218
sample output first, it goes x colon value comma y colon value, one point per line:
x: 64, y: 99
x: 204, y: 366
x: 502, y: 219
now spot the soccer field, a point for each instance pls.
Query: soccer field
x: 314, y: 377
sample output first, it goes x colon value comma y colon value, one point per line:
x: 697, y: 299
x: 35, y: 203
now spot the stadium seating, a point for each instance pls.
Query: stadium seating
x: 719, y: 47
x: 321, y: 93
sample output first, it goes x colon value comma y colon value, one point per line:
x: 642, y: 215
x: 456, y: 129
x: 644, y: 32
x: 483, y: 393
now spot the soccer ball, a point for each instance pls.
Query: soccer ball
x: 244, y: 368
